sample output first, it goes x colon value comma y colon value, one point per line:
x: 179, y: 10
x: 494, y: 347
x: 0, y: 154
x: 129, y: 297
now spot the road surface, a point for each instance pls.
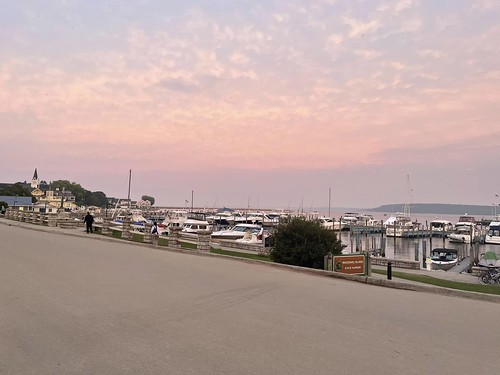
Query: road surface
x: 73, y: 305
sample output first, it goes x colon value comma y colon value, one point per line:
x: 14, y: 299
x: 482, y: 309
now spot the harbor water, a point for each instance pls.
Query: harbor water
x: 407, y: 248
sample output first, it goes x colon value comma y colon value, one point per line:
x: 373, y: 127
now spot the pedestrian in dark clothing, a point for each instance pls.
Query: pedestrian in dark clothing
x: 88, y: 220
x: 154, y: 234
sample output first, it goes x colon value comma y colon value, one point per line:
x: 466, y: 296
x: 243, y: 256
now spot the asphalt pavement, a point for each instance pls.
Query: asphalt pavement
x: 78, y: 304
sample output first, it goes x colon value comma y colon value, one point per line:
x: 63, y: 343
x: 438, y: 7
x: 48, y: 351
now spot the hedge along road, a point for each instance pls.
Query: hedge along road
x: 72, y: 305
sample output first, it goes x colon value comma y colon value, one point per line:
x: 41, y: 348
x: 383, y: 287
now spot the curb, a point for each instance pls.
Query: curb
x: 360, y: 279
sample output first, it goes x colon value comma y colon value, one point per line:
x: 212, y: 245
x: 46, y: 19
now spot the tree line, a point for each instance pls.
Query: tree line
x: 83, y: 197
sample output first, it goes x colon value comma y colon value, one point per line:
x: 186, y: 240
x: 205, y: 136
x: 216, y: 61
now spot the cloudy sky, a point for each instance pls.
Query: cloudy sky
x: 261, y: 103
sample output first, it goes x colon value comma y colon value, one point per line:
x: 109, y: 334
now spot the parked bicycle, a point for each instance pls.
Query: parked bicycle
x: 490, y: 276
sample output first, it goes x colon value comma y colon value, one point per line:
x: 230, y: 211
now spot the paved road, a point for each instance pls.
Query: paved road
x: 74, y: 305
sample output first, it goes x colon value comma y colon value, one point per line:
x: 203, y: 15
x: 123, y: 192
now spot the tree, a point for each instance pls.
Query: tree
x: 15, y: 190
x: 96, y: 198
x: 304, y: 243
x: 148, y: 198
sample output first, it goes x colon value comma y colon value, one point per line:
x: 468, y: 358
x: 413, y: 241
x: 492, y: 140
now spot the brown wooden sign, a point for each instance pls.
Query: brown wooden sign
x: 352, y: 264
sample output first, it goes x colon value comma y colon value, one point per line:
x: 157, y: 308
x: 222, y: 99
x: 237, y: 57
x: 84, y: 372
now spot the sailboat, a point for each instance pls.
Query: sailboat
x: 401, y: 225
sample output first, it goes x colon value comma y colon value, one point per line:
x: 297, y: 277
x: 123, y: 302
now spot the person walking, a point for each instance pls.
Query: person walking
x: 88, y: 220
x: 154, y: 234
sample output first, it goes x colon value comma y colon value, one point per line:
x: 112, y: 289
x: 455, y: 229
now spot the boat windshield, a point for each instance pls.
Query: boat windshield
x: 242, y: 229
x: 466, y: 219
x: 443, y: 256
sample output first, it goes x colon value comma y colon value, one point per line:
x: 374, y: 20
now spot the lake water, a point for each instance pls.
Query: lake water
x: 406, y: 248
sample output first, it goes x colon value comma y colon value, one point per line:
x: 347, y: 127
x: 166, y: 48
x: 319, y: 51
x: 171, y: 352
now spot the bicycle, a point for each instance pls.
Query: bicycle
x: 490, y: 276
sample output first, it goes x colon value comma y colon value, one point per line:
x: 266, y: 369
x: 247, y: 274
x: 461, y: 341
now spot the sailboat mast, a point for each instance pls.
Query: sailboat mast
x: 408, y: 197
x: 129, y: 181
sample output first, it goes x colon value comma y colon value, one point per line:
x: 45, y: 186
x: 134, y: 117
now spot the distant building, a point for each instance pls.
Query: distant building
x: 46, y: 199
x: 14, y: 201
x: 59, y: 198
x: 34, y: 180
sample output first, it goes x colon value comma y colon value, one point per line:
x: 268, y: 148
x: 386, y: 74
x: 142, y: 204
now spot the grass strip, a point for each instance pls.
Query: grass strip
x: 188, y: 245
x: 488, y: 289
x: 240, y: 254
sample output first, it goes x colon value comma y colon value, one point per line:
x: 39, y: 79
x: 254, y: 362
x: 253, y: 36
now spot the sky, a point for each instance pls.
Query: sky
x: 255, y: 103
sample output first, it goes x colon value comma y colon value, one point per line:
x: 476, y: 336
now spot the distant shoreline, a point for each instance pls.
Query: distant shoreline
x: 440, y: 208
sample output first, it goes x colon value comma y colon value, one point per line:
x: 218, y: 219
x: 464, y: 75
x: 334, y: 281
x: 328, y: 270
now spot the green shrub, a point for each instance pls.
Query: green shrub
x: 304, y: 243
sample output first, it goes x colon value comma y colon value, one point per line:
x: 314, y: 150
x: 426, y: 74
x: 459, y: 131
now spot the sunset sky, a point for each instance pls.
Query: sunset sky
x: 260, y: 103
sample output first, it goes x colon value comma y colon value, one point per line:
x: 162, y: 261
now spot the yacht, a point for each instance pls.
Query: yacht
x: 493, y: 235
x: 349, y: 218
x: 440, y: 226
x: 326, y: 222
x: 137, y: 221
x: 253, y: 237
x: 399, y: 226
x: 174, y: 218
x: 466, y: 220
x: 462, y: 233
x: 236, y: 232
x: 192, y: 226
x: 465, y: 230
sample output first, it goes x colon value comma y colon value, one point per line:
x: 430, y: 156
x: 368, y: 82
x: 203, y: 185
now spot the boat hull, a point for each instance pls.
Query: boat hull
x: 444, y: 266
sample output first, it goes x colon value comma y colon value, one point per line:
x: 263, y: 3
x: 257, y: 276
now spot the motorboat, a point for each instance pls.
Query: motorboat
x: 137, y: 221
x: 326, y: 222
x: 462, y: 233
x: 261, y: 218
x: 236, y: 232
x: 439, y: 226
x: 443, y: 259
x: 493, y: 235
x: 367, y: 220
x: 174, y: 218
x: 465, y: 220
x: 192, y: 226
x: 252, y: 237
x: 228, y: 218
x: 399, y: 226
x: 349, y: 219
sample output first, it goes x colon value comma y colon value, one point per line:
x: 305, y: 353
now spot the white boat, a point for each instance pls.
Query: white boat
x: 137, y: 221
x: 367, y: 220
x: 192, y: 226
x: 227, y: 218
x: 466, y: 220
x: 462, y: 233
x: 251, y: 237
x: 399, y: 226
x: 443, y: 259
x: 326, y: 222
x: 493, y: 235
x: 440, y: 226
x: 465, y: 230
x: 174, y: 218
x: 349, y: 218
x: 236, y: 232
x: 260, y: 218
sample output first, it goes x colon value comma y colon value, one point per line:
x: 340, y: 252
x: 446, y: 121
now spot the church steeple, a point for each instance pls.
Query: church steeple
x: 34, y: 180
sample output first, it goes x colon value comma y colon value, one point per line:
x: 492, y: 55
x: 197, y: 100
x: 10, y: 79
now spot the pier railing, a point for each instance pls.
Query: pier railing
x: 176, y: 239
